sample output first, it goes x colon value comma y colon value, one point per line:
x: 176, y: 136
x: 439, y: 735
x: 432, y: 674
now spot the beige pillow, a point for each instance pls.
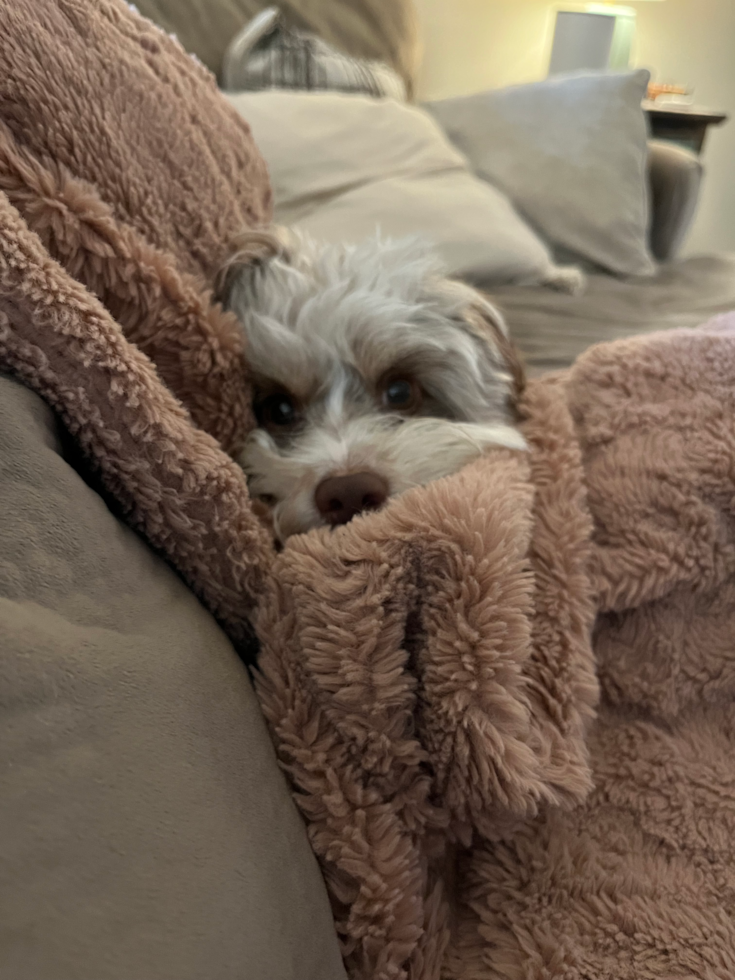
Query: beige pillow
x: 344, y: 166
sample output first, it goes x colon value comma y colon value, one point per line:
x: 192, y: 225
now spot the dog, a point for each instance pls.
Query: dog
x: 372, y: 373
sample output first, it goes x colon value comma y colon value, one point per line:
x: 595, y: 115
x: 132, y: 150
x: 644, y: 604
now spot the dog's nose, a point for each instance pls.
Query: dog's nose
x: 339, y: 498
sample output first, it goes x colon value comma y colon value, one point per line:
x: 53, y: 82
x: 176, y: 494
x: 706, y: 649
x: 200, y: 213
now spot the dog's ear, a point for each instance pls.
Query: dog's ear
x: 476, y: 314
x: 252, y: 249
x: 486, y: 321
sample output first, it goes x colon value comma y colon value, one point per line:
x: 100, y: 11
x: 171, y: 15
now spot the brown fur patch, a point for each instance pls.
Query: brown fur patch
x: 509, y: 353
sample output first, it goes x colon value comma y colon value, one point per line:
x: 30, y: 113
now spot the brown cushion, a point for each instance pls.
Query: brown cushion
x: 145, y: 829
x: 382, y: 29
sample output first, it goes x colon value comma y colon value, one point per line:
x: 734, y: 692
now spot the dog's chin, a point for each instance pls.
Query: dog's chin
x: 406, y: 454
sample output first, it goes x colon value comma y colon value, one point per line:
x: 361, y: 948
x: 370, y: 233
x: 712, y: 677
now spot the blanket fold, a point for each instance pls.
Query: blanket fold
x: 119, y: 152
x: 197, y: 348
x: 171, y: 479
x: 419, y: 689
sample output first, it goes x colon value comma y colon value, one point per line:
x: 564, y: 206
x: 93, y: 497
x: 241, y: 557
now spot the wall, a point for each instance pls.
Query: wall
x: 474, y: 44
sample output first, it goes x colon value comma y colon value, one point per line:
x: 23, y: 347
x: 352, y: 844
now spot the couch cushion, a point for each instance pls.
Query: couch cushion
x: 552, y: 330
x: 343, y: 166
x: 145, y: 829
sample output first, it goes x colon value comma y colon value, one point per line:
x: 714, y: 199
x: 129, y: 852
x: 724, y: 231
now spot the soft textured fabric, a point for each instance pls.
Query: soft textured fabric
x: 383, y: 30
x: 639, y: 883
x: 123, y: 157
x: 444, y: 644
x: 171, y: 479
x: 429, y: 671
x: 344, y: 165
x: 94, y: 91
x: 267, y: 54
x: 145, y: 830
x: 570, y: 152
x: 428, y: 677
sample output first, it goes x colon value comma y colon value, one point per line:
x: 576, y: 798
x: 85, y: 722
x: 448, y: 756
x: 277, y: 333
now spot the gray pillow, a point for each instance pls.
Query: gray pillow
x: 570, y: 152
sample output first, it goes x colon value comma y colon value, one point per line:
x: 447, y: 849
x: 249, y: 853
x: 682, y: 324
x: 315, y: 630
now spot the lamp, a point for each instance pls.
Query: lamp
x: 593, y: 36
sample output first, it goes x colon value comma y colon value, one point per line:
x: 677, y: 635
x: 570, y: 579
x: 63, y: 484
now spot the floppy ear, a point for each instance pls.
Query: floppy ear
x: 251, y: 250
x: 486, y: 321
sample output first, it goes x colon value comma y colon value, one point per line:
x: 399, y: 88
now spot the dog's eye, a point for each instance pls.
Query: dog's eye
x: 401, y: 395
x: 277, y: 410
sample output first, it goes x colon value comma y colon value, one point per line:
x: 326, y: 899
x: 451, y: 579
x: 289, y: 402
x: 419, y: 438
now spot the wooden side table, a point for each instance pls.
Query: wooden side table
x: 683, y: 124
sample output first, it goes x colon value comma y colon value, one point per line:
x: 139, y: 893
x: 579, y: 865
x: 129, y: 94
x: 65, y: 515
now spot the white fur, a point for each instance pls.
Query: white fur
x: 326, y: 323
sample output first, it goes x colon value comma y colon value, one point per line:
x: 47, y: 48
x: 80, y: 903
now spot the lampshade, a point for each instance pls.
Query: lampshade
x: 595, y: 36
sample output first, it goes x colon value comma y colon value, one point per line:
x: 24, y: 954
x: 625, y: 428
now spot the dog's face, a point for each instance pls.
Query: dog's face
x: 372, y: 374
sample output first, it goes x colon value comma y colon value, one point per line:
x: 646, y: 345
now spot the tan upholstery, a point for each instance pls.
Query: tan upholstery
x: 145, y: 829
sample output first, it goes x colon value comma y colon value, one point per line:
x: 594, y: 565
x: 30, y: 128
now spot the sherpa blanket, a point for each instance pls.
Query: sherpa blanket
x: 505, y: 702
x: 428, y: 671
x: 121, y: 155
